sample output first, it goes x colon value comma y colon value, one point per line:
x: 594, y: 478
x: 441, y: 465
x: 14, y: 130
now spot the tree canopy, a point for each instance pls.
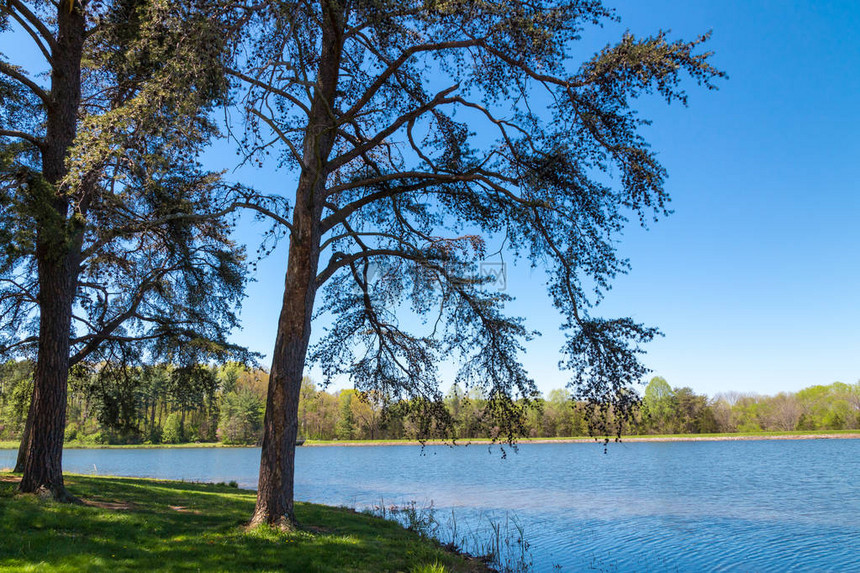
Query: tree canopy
x: 152, y: 263
x: 110, y: 232
x: 423, y: 136
x: 420, y: 131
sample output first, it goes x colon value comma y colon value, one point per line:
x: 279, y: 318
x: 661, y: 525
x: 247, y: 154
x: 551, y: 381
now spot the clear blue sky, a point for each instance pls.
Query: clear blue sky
x: 755, y: 279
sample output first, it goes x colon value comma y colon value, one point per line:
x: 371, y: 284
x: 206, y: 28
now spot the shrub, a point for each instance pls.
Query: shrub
x: 172, y: 432
x: 71, y: 433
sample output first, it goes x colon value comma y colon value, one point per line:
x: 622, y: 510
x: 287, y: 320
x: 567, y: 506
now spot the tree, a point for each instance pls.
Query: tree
x: 783, y: 412
x: 111, y: 229
x: 721, y: 405
x: 376, y: 105
x: 318, y: 412
x: 560, y: 411
x: 658, y: 404
x: 346, y: 421
x: 16, y: 386
x: 692, y: 413
x: 852, y: 396
x: 241, y: 417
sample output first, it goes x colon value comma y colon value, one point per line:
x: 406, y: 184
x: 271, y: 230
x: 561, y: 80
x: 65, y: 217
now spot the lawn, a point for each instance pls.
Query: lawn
x: 637, y: 437
x: 137, y: 525
x: 10, y: 445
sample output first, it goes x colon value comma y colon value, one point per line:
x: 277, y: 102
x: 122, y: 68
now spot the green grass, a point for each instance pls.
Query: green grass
x: 81, y: 445
x: 149, y: 525
x: 86, y: 445
x: 745, y: 434
x: 760, y: 434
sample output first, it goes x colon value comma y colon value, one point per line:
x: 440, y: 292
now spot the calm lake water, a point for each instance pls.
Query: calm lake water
x: 682, y: 506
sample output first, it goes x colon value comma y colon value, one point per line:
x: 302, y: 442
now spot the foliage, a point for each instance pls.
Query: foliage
x: 235, y: 404
x: 146, y: 525
x: 241, y: 417
x: 345, y: 427
x: 153, y: 264
x: 173, y: 432
x: 432, y: 129
x: 16, y: 388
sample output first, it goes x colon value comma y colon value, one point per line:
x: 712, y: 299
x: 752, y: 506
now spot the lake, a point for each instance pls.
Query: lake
x: 677, y: 506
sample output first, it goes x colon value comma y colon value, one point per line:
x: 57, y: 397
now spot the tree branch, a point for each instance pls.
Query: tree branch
x: 439, y: 99
x: 12, y: 72
x: 25, y: 136
x: 270, y: 89
x: 395, y: 65
x: 33, y: 20
x: 33, y: 35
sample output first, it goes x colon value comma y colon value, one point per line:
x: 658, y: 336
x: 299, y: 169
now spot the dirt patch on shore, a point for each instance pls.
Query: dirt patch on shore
x: 182, y: 509
x: 105, y: 504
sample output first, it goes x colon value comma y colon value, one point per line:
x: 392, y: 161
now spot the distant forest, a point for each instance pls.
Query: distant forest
x: 170, y: 404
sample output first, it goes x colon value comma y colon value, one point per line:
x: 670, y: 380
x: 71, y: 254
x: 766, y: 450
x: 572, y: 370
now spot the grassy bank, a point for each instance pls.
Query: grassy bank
x: 146, y: 525
x: 89, y: 446
x: 799, y: 434
x: 626, y: 438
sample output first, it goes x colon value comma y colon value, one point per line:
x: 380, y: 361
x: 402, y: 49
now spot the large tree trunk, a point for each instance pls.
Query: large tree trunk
x: 43, y: 465
x: 25, y: 437
x: 59, y: 237
x: 280, y: 425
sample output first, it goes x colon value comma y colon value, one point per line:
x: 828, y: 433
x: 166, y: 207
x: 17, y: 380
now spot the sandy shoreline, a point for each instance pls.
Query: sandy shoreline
x: 849, y: 436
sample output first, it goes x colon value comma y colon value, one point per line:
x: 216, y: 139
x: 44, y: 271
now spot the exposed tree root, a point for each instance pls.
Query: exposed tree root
x: 57, y: 493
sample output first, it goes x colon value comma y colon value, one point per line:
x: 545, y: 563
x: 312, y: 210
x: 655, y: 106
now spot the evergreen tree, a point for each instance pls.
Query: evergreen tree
x: 111, y: 229
x: 377, y: 106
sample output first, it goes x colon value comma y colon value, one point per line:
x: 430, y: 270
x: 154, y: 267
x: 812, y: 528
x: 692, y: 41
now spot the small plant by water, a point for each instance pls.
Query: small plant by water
x: 500, y: 542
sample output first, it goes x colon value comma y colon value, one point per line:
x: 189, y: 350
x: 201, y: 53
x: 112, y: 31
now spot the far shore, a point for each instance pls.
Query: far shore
x: 853, y: 434
x: 747, y: 436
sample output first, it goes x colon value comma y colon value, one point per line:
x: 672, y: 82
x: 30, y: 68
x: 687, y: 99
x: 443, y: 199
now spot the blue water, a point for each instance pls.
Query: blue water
x: 682, y: 506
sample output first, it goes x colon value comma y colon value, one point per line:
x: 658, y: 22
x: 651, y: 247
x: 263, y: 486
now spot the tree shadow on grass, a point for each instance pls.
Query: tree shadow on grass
x: 144, y: 525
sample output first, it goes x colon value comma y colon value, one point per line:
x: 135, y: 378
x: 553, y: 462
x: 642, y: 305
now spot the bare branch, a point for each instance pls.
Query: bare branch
x: 28, y: 294
x: 33, y: 34
x: 139, y: 226
x: 340, y: 260
x: 281, y: 135
x: 20, y: 343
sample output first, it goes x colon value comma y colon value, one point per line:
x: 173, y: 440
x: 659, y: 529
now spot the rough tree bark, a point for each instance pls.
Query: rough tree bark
x: 276, y: 483
x: 58, y: 254
x: 25, y: 437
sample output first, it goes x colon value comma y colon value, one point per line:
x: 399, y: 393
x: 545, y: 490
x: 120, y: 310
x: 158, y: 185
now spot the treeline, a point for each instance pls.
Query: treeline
x: 162, y: 404
x: 668, y: 410
x: 169, y: 404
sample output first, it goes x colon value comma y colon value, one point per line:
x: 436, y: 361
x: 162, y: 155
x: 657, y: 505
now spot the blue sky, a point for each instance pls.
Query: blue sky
x: 755, y: 278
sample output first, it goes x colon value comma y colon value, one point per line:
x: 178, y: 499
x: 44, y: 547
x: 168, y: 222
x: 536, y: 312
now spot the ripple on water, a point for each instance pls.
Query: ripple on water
x: 694, y: 506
